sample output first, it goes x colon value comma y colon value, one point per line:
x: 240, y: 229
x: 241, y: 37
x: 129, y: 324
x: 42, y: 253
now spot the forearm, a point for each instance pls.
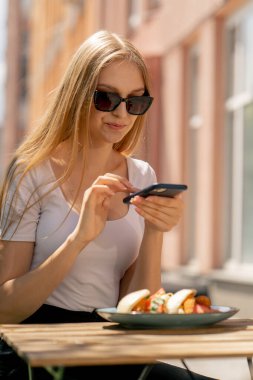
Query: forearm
x: 161, y: 214
x: 22, y: 296
x: 146, y: 270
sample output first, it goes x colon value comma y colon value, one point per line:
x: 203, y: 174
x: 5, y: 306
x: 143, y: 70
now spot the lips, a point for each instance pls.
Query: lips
x: 115, y: 126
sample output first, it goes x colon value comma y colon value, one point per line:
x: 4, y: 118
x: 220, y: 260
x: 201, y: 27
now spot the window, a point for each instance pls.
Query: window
x: 239, y: 141
x: 3, y: 29
x: 140, y: 11
x: 247, y: 211
x: 194, y: 123
x: 134, y: 12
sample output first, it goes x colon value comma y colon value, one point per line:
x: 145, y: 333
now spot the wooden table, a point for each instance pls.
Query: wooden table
x: 60, y: 345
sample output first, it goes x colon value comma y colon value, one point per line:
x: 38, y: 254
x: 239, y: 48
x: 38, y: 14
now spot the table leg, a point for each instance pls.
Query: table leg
x: 145, y: 371
x: 56, y: 372
x: 249, y: 360
x: 30, y: 374
x: 191, y: 376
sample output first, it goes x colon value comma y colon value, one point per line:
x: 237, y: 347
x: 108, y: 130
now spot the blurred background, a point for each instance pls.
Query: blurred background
x: 199, y: 130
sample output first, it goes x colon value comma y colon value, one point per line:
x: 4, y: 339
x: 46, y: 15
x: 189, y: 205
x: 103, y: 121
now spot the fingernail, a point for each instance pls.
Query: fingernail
x: 136, y: 199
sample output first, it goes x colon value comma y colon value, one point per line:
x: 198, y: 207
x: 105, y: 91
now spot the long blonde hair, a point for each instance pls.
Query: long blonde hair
x: 69, y: 107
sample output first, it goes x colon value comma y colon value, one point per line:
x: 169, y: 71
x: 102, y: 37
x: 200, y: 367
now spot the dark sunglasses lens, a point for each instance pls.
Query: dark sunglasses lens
x: 105, y: 101
x: 138, y: 105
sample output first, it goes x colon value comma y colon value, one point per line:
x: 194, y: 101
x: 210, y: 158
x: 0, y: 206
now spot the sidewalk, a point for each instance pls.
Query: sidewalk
x: 222, y: 369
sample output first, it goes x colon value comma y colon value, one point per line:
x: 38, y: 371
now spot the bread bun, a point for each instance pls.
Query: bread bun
x: 127, y: 303
x: 175, y: 302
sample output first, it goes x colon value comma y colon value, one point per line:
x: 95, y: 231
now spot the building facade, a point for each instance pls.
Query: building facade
x: 13, y: 121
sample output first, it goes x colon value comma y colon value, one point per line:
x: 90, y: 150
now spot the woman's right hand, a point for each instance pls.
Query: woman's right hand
x: 95, y: 206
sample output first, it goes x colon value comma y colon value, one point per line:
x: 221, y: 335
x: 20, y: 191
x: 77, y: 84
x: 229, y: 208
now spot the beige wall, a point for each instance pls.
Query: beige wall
x: 13, y: 123
x: 57, y: 29
x: 171, y: 142
x: 172, y: 23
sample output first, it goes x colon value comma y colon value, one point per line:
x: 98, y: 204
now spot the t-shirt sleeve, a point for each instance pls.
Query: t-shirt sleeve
x: 20, y: 213
x: 141, y: 173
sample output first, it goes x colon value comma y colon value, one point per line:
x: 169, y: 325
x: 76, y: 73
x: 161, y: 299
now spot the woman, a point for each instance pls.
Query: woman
x: 65, y: 230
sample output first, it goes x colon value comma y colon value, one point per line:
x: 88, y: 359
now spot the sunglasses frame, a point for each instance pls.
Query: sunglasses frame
x: 120, y: 100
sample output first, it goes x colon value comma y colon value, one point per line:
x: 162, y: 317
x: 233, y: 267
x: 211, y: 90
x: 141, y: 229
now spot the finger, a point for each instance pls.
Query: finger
x: 154, y: 214
x: 121, y: 179
x: 165, y: 205
x: 125, y: 181
x: 161, y: 223
x: 158, y: 201
x: 97, y: 194
x: 116, y: 182
x: 159, y: 214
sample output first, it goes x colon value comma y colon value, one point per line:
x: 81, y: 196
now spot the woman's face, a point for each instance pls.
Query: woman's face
x: 123, y: 78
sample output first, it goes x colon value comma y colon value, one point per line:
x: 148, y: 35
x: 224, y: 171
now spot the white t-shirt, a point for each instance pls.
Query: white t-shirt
x: 93, y: 280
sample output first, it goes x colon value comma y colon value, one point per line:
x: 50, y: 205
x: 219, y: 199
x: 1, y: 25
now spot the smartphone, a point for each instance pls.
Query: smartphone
x: 160, y: 189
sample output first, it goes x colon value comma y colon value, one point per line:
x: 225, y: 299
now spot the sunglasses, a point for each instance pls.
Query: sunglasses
x: 109, y: 101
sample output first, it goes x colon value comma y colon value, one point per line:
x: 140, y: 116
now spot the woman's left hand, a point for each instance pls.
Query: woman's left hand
x: 162, y: 213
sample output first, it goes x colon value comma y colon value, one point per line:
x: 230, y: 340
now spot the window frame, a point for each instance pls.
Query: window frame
x: 235, y: 104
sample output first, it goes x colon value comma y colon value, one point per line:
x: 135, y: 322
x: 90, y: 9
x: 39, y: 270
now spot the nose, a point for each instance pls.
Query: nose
x: 121, y: 110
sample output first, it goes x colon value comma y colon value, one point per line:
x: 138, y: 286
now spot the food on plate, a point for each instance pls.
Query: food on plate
x: 127, y: 303
x: 184, y: 301
x: 175, y: 303
x: 203, y: 304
